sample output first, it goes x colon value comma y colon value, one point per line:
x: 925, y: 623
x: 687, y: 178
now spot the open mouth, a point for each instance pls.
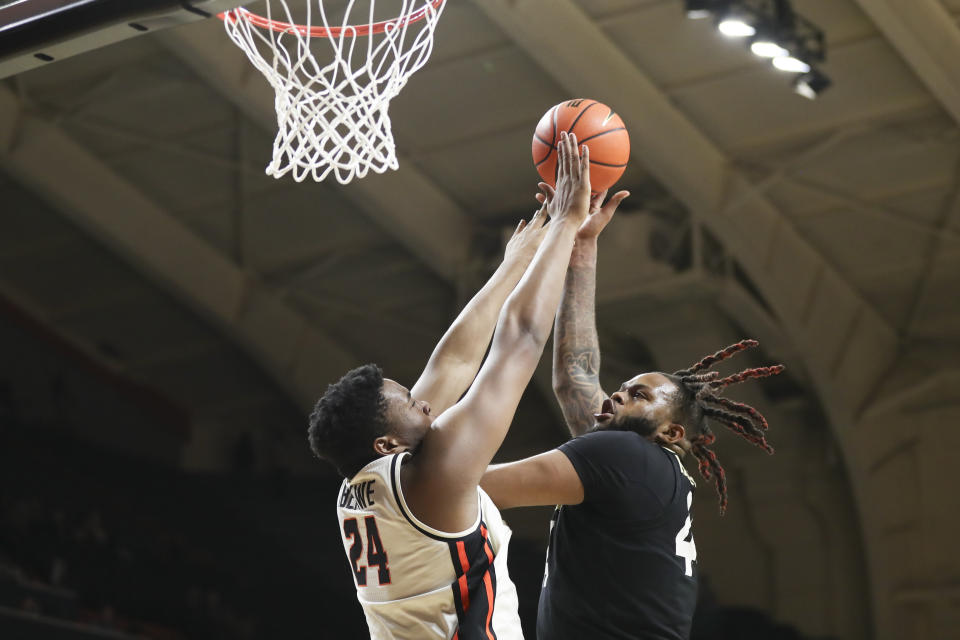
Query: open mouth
x: 607, y: 410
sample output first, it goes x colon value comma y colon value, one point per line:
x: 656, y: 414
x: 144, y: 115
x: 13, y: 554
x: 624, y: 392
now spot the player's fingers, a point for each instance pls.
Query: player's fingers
x: 520, y: 226
x: 585, y: 165
x: 615, y: 201
x: 573, y: 157
x: 548, y: 191
x: 566, y: 157
x: 596, y: 201
x: 562, y: 156
x: 606, y: 213
x: 539, y: 218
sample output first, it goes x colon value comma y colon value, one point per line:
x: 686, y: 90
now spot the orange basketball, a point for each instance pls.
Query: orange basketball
x: 595, y: 125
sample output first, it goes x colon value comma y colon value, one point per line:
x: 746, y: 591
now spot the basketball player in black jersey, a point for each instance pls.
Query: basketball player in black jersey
x: 621, y: 561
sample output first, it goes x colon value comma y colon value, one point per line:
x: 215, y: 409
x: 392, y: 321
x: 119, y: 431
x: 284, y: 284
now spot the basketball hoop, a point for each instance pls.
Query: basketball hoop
x: 333, y: 117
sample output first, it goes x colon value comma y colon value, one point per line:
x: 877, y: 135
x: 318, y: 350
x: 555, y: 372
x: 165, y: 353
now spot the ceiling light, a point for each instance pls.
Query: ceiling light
x: 774, y: 31
x: 790, y: 63
x: 810, y: 85
x: 768, y: 48
x: 697, y: 9
x: 735, y: 27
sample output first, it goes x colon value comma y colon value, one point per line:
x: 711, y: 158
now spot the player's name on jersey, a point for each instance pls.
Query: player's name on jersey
x: 357, y: 496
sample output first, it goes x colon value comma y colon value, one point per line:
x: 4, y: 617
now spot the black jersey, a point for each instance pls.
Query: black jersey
x: 621, y: 564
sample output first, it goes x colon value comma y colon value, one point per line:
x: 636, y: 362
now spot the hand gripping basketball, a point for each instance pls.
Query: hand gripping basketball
x: 596, y: 125
x: 572, y: 194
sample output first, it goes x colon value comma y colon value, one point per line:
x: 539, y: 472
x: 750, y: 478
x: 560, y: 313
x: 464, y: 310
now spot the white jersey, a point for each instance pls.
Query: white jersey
x: 417, y: 583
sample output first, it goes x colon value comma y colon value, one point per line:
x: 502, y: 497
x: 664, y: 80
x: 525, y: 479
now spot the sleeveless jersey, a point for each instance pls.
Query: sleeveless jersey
x: 621, y: 564
x: 415, y: 582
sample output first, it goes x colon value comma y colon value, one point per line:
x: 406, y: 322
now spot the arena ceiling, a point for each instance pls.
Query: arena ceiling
x: 138, y: 226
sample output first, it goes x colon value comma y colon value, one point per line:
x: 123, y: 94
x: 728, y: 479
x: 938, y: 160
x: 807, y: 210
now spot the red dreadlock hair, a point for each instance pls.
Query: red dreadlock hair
x: 699, y: 395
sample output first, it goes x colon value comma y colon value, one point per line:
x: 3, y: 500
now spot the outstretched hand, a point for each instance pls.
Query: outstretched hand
x: 600, y: 214
x: 527, y: 236
x: 571, y: 197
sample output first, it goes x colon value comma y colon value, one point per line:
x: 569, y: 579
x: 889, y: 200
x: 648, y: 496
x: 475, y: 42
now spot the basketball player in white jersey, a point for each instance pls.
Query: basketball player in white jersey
x: 427, y: 548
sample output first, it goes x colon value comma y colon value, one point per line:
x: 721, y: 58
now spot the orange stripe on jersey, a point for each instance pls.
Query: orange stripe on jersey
x: 489, y: 585
x: 464, y: 592
x: 462, y: 580
x: 487, y: 582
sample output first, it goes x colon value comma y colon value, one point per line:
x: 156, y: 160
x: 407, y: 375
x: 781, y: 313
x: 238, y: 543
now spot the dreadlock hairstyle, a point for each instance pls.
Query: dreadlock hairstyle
x: 699, y: 392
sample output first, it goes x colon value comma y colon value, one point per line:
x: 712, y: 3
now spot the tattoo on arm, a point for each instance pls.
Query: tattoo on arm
x: 583, y: 397
x: 576, y: 356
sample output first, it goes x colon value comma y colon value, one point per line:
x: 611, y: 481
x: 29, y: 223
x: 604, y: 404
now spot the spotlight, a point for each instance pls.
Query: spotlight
x: 767, y: 47
x: 736, y: 28
x: 791, y: 63
x: 774, y: 31
x: 697, y: 9
x: 811, y: 84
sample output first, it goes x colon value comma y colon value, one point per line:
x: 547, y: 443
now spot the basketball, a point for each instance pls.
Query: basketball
x: 595, y: 125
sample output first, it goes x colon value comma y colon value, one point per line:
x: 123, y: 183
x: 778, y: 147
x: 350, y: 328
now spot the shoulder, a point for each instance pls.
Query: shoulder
x: 619, y: 457
x: 615, y: 445
x: 624, y: 472
x: 600, y: 457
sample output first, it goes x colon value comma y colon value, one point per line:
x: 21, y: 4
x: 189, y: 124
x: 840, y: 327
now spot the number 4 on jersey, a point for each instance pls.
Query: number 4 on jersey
x: 376, y: 554
x: 687, y: 549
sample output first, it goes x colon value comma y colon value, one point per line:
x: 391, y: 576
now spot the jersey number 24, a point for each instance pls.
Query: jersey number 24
x: 376, y: 555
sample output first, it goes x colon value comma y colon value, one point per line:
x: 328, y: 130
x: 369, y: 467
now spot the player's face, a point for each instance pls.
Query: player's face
x: 409, y: 419
x: 643, y: 404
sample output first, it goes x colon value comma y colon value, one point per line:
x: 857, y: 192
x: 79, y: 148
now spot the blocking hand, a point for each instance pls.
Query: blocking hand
x: 527, y: 236
x: 600, y: 214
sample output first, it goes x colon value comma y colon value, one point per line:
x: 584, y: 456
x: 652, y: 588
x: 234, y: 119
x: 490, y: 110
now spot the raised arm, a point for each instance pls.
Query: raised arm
x: 456, y: 359
x: 576, y: 350
x: 441, y: 482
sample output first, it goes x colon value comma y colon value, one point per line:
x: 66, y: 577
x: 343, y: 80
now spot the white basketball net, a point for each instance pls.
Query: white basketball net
x: 334, y: 117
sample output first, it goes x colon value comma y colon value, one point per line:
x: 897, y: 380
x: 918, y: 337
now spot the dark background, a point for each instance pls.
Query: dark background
x: 96, y: 540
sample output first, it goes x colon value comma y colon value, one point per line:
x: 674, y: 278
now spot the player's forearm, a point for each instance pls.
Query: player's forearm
x: 497, y: 484
x: 545, y: 479
x: 531, y: 307
x: 466, y: 340
x: 576, y: 348
x: 456, y: 359
x: 462, y: 454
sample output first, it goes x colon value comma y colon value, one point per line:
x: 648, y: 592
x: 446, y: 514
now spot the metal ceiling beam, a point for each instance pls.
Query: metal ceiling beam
x: 846, y: 343
x: 720, y: 290
x: 35, y: 33
x: 926, y: 36
x: 405, y: 203
x: 919, y: 388
x: 936, y: 248
x: 45, y: 160
x: 884, y: 213
x: 798, y: 159
x: 880, y: 116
